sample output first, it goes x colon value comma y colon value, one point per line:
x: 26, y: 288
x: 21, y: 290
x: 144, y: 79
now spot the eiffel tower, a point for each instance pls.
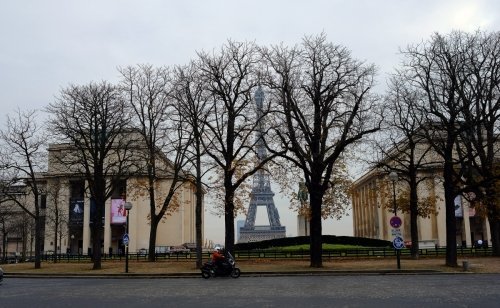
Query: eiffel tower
x: 261, y: 194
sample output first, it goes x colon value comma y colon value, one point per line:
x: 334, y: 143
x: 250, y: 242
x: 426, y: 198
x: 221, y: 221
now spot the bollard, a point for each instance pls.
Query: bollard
x: 465, y: 266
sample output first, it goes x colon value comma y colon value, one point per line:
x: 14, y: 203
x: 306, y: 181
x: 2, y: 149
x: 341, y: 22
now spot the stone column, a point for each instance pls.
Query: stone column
x: 466, y: 223
x: 486, y: 230
x: 107, y: 226
x: 86, y: 226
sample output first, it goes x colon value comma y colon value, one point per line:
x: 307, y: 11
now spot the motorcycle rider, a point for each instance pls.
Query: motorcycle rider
x: 217, y: 258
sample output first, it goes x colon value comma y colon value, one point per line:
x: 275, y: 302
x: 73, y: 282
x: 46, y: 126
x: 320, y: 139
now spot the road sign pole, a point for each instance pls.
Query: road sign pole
x: 126, y: 248
x: 398, y: 256
x: 128, y: 207
x: 393, y: 176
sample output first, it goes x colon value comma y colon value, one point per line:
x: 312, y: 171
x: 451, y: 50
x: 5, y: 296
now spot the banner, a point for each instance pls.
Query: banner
x: 458, y: 207
x: 118, y: 213
x: 76, y: 212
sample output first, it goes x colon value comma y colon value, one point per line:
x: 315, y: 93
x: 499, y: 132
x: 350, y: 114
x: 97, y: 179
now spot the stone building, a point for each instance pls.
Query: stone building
x: 178, y: 226
x: 66, y: 206
x: 371, y: 216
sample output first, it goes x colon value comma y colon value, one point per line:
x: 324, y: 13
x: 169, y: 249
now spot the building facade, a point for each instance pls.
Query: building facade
x: 68, y: 195
x: 66, y: 210
x: 371, y: 216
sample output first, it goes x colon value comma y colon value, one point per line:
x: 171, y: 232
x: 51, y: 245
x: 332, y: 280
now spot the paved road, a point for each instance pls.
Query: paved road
x: 468, y: 290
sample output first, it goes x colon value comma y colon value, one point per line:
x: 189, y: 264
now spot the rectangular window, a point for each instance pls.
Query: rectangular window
x: 119, y: 190
x: 43, y: 202
x: 77, y: 189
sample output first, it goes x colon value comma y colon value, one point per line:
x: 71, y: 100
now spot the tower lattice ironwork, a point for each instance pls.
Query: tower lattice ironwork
x: 261, y: 194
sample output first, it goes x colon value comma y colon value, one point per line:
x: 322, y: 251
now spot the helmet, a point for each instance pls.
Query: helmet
x: 217, y: 248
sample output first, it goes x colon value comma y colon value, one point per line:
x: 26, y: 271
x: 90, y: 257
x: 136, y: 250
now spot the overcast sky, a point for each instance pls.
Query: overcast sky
x: 47, y: 44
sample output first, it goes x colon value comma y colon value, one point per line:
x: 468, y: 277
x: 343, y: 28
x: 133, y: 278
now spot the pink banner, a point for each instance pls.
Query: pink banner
x: 118, y: 213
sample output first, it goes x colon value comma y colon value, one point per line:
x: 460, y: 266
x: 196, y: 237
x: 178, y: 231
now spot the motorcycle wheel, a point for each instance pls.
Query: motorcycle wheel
x: 205, y: 274
x: 236, y: 272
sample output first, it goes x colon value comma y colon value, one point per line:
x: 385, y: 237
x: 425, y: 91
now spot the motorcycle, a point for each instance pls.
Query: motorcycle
x: 226, y: 268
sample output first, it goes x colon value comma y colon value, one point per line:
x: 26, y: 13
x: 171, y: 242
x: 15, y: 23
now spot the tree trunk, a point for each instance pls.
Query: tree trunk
x: 495, y: 234
x: 38, y: 232
x: 97, y: 234
x: 199, y: 213
x: 38, y: 242
x: 316, y: 249
x: 493, y: 218
x: 152, y: 240
x: 229, y: 221
x: 155, y: 219
x: 451, y: 228
x: 55, y: 240
x: 4, y: 244
x: 25, y: 240
x: 414, y: 218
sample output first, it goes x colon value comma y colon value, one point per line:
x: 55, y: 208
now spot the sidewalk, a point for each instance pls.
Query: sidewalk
x: 267, y: 267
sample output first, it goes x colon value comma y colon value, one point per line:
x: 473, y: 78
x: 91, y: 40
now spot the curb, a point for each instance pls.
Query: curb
x: 243, y: 274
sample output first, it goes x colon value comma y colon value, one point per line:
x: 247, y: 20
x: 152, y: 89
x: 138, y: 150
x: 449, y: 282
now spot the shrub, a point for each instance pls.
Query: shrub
x: 301, y: 240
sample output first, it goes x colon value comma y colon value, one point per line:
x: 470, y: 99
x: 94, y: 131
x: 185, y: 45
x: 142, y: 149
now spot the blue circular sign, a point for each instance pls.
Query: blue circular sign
x: 398, y: 242
x: 125, y: 239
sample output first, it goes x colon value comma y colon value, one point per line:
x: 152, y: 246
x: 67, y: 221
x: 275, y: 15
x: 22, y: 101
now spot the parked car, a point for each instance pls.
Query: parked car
x: 12, y: 258
x: 179, y: 250
x: 190, y: 246
x: 162, y: 250
x: 30, y: 259
x: 142, y: 252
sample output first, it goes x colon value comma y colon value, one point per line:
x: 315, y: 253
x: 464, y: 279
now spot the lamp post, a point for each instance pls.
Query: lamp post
x: 71, y: 244
x: 393, y: 176
x: 128, y: 207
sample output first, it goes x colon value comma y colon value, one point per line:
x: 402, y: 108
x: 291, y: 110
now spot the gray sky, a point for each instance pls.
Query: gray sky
x: 46, y: 45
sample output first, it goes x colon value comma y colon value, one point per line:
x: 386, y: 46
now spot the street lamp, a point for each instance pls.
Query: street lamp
x: 393, y: 176
x: 71, y: 243
x: 128, y: 207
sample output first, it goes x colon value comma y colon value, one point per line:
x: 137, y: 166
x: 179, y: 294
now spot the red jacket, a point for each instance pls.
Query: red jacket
x: 217, y: 256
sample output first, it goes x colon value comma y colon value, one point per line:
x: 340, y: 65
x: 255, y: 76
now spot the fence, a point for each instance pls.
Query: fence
x: 359, y: 253
x: 279, y: 254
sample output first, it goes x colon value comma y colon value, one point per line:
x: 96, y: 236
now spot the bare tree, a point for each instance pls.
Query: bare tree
x: 55, y: 216
x: 93, y: 120
x: 404, y: 149
x: 229, y: 78
x: 326, y: 105
x: 22, y: 228
x: 193, y: 106
x: 433, y: 67
x: 9, y: 217
x: 478, y: 85
x: 166, y: 141
x: 23, y: 156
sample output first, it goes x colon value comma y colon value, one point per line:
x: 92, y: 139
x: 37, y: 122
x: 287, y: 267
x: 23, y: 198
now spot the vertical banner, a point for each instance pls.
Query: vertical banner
x: 458, y: 207
x: 118, y: 215
x: 76, y: 212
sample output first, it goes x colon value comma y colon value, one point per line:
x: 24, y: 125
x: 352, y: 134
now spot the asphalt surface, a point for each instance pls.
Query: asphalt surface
x: 447, y: 290
x: 243, y: 274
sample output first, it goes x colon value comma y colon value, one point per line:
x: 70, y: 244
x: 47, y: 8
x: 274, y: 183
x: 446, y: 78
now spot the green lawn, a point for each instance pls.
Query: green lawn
x: 306, y: 247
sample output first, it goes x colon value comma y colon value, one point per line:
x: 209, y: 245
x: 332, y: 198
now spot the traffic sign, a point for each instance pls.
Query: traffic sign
x: 396, y: 232
x: 125, y: 239
x: 398, y: 242
x: 395, y: 222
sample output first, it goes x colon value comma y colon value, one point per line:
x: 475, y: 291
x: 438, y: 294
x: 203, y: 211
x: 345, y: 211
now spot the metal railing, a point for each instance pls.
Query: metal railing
x: 275, y: 254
